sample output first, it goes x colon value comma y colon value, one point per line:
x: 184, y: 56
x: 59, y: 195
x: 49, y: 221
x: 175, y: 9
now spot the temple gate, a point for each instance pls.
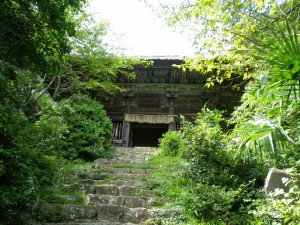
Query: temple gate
x: 157, y: 96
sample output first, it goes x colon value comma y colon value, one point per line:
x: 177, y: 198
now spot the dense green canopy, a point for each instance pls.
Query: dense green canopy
x: 34, y: 34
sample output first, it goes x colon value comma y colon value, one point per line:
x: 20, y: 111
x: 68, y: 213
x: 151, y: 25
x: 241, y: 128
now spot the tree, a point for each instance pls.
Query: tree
x: 34, y: 37
x: 38, y: 32
x: 45, y: 46
x: 220, y: 26
x: 93, y: 66
x: 258, y: 40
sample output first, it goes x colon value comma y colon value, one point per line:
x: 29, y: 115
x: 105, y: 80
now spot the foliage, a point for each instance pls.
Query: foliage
x: 171, y: 143
x: 92, y: 67
x: 218, y: 204
x: 25, y: 171
x: 210, y: 185
x: 281, y: 51
x: 230, y: 71
x: 271, y: 107
x: 37, y: 38
x: 200, y: 202
x: 34, y: 34
x: 221, y: 186
x: 262, y: 127
x: 25, y: 174
x: 89, y: 128
x: 257, y: 40
x: 219, y: 26
x: 74, y: 127
x: 168, y: 175
x: 51, y: 126
x: 266, y: 142
x: 206, y: 153
x: 280, y: 207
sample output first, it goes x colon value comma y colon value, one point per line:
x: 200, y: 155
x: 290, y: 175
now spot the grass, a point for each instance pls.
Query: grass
x: 58, y: 193
x: 171, y: 181
x: 168, y: 176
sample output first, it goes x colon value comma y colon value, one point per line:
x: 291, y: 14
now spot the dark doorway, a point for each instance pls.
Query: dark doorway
x: 147, y: 135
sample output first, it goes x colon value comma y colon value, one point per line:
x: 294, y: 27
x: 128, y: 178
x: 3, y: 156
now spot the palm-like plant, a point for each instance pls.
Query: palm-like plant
x: 267, y: 140
x: 279, y: 51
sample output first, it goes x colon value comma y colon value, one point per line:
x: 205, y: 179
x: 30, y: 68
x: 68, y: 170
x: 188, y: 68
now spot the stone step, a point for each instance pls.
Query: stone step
x: 121, y: 182
x: 132, y: 156
x: 112, y: 189
x: 138, y: 150
x: 100, y: 163
x: 114, y: 173
x: 115, y: 190
x: 127, y: 176
x: 128, y: 201
x: 108, y: 212
x: 127, y: 170
x: 91, y: 222
x: 104, y: 189
x: 90, y: 175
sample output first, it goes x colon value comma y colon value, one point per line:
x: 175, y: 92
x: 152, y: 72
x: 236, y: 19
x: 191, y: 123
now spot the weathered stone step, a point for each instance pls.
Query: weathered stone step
x: 138, y: 150
x: 108, y: 212
x: 105, y: 189
x: 109, y: 189
x: 115, y: 190
x: 92, y: 222
x: 127, y: 170
x: 114, y: 173
x: 128, y: 201
x: 127, y: 176
x: 92, y: 176
x: 121, y: 182
x: 100, y: 163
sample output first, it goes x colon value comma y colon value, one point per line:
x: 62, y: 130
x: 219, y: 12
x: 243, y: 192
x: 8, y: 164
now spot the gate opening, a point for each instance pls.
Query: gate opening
x: 147, y: 135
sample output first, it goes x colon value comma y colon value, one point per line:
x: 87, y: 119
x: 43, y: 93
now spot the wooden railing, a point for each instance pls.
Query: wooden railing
x: 117, y: 133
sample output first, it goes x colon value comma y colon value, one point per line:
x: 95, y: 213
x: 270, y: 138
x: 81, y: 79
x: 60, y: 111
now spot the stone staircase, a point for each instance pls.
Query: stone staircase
x: 116, y: 192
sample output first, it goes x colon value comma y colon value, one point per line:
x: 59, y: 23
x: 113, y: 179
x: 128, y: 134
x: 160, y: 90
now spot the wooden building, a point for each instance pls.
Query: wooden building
x: 156, y: 97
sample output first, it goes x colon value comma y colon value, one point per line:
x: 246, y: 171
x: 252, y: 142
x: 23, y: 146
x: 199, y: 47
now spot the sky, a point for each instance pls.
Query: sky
x: 139, y: 29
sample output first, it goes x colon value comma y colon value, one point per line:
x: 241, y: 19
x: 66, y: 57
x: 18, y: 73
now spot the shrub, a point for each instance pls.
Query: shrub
x: 25, y: 171
x: 217, y: 204
x: 222, y: 187
x: 51, y: 126
x: 171, y: 143
x: 89, y: 128
x: 208, y: 158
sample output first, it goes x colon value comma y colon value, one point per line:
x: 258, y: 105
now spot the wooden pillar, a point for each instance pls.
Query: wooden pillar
x: 126, y: 125
x: 125, y: 134
x: 172, y: 126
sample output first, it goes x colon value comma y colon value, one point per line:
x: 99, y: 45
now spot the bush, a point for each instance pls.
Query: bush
x: 213, y: 203
x: 25, y: 171
x: 209, y: 155
x: 171, y: 143
x: 51, y: 127
x: 208, y: 158
x: 89, y: 128
x: 222, y: 187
